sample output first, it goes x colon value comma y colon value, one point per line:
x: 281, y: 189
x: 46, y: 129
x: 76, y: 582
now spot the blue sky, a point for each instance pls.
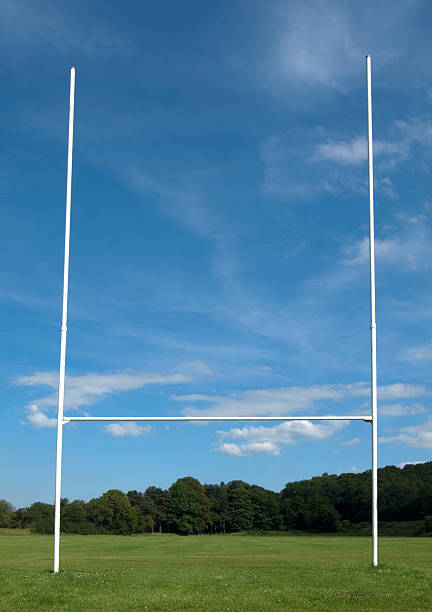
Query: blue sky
x: 219, y: 241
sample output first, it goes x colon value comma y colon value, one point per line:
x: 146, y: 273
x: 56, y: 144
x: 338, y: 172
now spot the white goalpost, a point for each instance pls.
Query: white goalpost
x: 372, y: 419
x: 373, y: 322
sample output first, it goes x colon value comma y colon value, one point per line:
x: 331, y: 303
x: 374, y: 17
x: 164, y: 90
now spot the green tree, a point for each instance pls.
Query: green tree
x: 219, y: 507
x: 6, y: 513
x: 304, y: 505
x: 112, y: 513
x: 266, y: 511
x: 189, y: 508
x: 40, y: 517
x: 74, y: 519
x: 240, y: 513
x: 145, y: 509
x: 20, y: 519
x: 158, y: 499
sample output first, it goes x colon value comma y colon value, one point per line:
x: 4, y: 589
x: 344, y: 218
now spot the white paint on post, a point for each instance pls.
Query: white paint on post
x: 63, y: 331
x: 372, y: 324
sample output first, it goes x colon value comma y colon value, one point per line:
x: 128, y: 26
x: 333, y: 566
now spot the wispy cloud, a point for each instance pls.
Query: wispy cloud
x: 358, y: 253
x: 91, y: 388
x: 119, y: 430
x: 419, y: 436
x: 338, y: 163
x: 196, y: 367
x: 318, y: 45
x: 282, y: 400
x: 416, y: 129
x: 338, y: 166
x: 269, y: 440
x: 26, y: 25
x: 188, y: 204
x: 291, y: 400
x: 354, y: 152
x: 409, y: 248
x: 87, y: 389
x: 355, y: 470
x: 404, y: 463
x: 418, y: 354
x: 401, y: 390
x: 351, y: 442
x: 38, y: 419
x: 310, y: 44
x: 351, y: 153
x: 399, y: 410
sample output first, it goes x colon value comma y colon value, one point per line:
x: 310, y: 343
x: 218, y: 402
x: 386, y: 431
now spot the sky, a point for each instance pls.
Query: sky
x: 219, y: 239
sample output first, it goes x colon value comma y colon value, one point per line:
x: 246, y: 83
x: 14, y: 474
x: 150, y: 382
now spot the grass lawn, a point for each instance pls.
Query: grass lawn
x: 232, y: 572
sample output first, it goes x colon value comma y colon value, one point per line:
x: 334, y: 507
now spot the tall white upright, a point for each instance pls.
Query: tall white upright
x: 372, y: 324
x: 63, y: 330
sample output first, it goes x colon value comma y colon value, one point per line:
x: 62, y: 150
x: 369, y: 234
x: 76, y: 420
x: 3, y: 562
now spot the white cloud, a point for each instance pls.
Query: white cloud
x: 358, y: 253
x: 188, y: 205
x: 269, y: 440
x: 292, y: 400
x: 419, y: 436
x: 27, y: 25
x: 91, y: 388
x: 38, y: 419
x: 401, y: 390
x: 87, y: 389
x: 196, y: 397
x: 400, y: 410
x: 409, y: 248
x: 404, y: 463
x: 352, y: 442
x: 419, y: 354
x: 412, y: 219
x: 126, y: 429
x: 417, y: 129
x: 290, y: 158
x: 354, y: 152
x: 196, y: 367
x: 271, y: 401
x: 315, y: 45
x: 184, y: 203
x: 338, y: 165
x: 320, y: 45
x: 43, y: 379
x: 230, y: 449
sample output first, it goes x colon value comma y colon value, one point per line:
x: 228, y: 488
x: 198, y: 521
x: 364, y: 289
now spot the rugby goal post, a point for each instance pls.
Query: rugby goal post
x: 372, y: 419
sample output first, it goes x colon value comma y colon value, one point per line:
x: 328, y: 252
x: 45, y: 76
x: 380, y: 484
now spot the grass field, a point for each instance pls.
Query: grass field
x: 233, y: 572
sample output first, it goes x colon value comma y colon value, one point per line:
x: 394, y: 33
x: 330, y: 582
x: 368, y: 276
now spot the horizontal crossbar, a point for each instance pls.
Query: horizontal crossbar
x: 367, y: 419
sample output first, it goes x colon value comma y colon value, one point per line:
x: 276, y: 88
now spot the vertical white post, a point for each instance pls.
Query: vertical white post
x: 63, y: 332
x: 373, y: 324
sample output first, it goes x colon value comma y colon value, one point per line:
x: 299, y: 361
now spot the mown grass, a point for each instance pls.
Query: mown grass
x: 234, y: 572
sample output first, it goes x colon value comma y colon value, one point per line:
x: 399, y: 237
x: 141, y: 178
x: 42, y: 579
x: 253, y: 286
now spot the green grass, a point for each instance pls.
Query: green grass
x: 234, y: 572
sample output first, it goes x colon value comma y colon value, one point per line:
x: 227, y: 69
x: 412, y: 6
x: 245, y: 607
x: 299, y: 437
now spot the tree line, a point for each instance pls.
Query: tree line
x: 327, y: 503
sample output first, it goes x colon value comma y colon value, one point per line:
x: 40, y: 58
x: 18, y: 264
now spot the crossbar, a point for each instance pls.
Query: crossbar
x: 367, y: 419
